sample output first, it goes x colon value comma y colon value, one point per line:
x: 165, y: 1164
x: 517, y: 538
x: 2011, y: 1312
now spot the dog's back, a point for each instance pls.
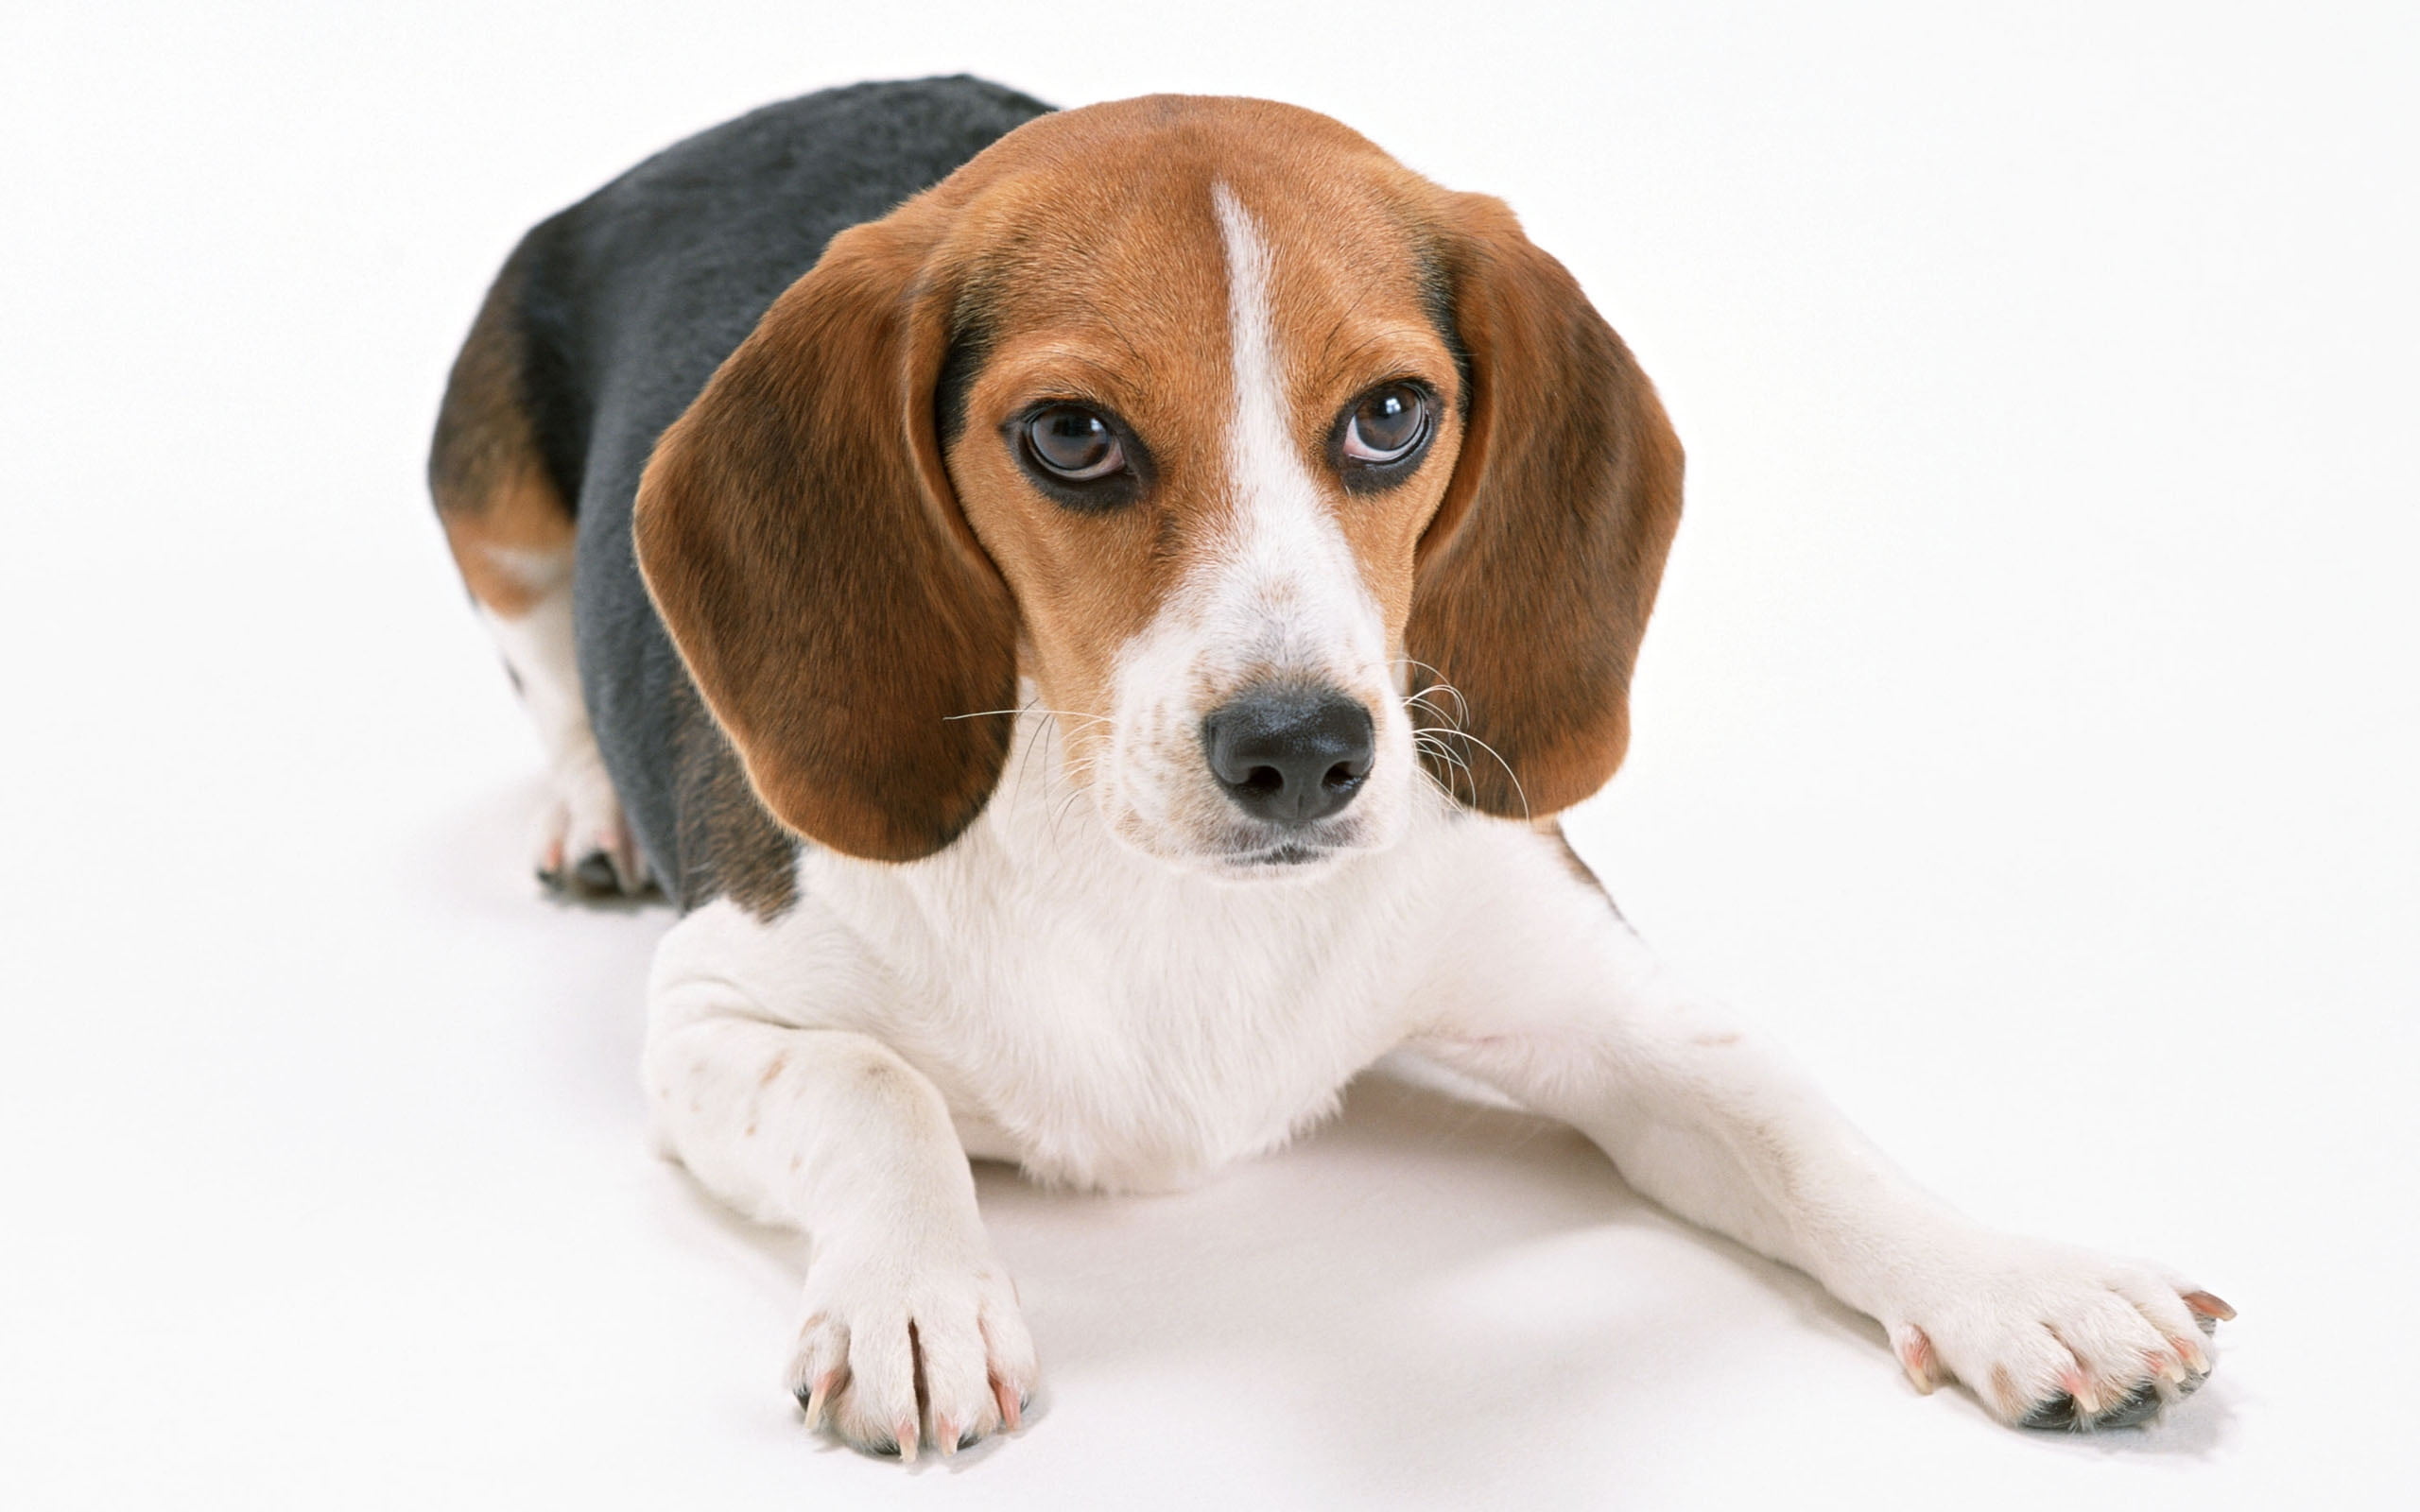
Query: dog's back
x: 604, y: 324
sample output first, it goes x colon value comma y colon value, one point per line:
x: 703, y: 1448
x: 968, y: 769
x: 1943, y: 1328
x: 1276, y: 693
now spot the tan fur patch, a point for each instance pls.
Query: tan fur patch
x: 2004, y: 1392
x: 505, y: 522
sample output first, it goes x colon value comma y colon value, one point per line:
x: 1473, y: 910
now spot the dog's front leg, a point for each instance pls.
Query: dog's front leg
x: 1546, y: 995
x: 912, y: 1329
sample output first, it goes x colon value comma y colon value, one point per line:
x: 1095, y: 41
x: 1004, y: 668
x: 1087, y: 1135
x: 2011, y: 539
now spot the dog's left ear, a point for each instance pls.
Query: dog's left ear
x: 1536, y: 576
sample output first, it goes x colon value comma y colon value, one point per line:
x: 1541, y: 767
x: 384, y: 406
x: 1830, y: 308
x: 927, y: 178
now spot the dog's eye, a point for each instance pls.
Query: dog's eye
x: 1387, y: 426
x: 1072, y: 442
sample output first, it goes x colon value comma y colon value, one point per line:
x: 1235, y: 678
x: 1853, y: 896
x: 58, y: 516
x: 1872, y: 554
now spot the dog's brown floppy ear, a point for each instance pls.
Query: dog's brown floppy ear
x: 1536, y: 576
x: 801, y: 540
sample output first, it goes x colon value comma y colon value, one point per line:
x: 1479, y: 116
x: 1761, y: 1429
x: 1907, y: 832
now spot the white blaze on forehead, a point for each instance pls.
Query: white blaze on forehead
x: 1289, y: 563
x: 1276, y: 592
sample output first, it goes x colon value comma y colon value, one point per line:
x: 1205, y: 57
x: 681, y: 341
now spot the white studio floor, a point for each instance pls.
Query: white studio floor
x: 2028, y: 733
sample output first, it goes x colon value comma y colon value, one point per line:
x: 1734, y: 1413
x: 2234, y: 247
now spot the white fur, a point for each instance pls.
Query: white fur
x: 582, y: 816
x: 1041, y: 994
x: 1051, y: 989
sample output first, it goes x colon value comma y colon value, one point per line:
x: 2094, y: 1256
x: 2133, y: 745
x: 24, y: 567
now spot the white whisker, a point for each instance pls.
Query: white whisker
x: 1508, y: 772
x: 1423, y: 740
x: 1034, y: 709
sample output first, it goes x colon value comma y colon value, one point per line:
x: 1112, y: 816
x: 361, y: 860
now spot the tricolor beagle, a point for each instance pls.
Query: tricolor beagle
x: 1090, y: 614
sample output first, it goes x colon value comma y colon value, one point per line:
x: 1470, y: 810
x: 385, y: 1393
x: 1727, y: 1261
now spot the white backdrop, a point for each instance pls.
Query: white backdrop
x: 2027, y: 734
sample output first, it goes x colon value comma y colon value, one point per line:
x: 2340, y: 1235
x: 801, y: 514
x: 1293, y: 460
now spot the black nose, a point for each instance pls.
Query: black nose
x: 1290, y: 755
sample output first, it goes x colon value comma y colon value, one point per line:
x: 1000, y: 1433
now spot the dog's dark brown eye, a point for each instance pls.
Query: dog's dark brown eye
x: 1074, y: 443
x: 1388, y: 424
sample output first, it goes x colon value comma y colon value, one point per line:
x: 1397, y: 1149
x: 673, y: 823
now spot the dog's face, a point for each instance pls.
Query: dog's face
x: 1244, y: 443
x: 1201, y: 455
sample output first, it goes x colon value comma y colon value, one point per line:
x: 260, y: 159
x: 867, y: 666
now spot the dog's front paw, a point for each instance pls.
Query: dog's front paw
x: 900, y: 1348
x: 2048, y: 1336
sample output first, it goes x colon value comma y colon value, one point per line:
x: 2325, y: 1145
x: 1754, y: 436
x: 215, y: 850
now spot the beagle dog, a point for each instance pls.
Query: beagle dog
x: 1090, y: 615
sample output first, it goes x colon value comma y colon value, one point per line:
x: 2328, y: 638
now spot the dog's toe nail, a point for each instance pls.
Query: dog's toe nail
x: 816, y: 1398
x: 2138, y: 1407
x: 1914, y: 1349
x: 2088, y: 1400
x: 2209, y: 1309
x: 2191, y: 1355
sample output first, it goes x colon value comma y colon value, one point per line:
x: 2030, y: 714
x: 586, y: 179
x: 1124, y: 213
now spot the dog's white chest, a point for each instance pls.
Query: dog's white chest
x: 1101, y: 1017
x: 1113, y: 1025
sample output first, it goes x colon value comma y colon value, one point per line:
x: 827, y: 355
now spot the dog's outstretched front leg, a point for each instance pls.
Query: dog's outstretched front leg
x: 912, y: 1331
x: 1546, y: 995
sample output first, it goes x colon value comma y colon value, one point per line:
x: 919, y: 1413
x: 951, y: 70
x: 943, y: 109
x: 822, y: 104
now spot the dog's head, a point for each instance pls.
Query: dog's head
x: 1285, y: 476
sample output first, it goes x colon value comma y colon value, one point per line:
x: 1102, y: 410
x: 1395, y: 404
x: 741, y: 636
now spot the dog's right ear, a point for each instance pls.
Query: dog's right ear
x: 800, y: 537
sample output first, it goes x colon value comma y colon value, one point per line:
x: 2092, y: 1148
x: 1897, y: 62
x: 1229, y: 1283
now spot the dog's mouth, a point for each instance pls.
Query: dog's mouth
x: 1252, y: 855
x: 1284, y: 855
x: 1292, y: 857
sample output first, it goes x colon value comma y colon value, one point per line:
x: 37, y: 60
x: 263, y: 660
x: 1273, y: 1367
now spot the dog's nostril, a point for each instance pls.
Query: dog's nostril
x: 1290, y: 755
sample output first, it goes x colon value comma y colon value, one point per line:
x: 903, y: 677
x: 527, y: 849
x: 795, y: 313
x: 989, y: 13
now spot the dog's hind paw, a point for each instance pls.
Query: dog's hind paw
x: 584, y: 846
